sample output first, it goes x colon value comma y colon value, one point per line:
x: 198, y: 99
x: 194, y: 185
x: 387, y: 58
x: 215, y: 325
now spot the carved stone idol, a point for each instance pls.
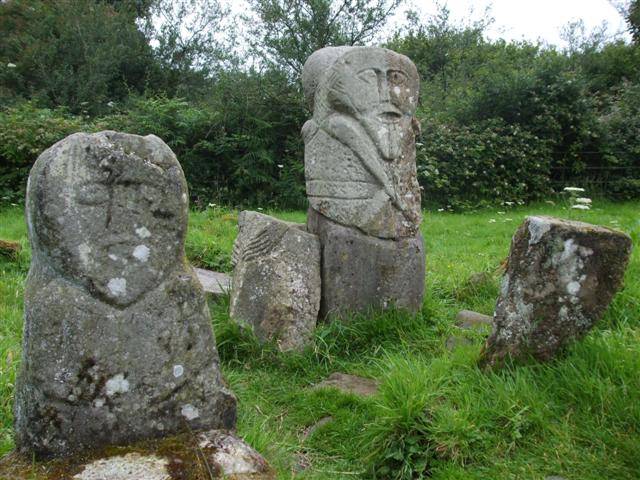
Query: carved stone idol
x: 361, y: 177
x: 118, y: 344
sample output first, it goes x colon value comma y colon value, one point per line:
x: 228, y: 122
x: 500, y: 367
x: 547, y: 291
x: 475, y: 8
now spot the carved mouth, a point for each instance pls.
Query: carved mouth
x: 390, y: 116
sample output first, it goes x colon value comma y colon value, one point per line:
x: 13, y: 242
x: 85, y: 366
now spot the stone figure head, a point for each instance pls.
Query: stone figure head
x: 377, y: 87
x: 108, y: 211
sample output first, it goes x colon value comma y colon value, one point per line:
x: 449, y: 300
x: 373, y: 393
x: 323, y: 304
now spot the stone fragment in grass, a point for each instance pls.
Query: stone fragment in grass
x: 118, y: 344
x: 214, y: 284
x: 468, y: 319
x: 365, y: 387
x: 360, y: 272
x: 276, y: 280
x: 560, y: 278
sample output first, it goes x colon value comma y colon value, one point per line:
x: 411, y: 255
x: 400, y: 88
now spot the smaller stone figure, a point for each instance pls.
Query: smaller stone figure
x: 118, y: 344
x: 560, y: 278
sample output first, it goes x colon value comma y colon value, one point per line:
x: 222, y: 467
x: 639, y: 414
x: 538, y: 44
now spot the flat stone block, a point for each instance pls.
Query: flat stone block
x: 346, y: 383
x: 360, y: 272
x: 214, y: 284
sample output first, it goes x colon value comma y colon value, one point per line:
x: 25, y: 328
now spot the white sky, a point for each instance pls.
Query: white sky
x: 531, y: 19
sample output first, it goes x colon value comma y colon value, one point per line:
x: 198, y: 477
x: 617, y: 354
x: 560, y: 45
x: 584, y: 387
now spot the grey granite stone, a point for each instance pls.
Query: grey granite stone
x: 360, y: 272
x: 118, y: 344
x: 365, y: 387
x: 276, y: 279
x: 360, y: 164
x: 560, y: 278
x: 214, y: 284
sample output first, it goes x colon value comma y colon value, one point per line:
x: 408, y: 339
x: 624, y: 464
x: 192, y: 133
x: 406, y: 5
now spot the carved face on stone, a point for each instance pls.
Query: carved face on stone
x: 110, y: 211
x: 380, y: 89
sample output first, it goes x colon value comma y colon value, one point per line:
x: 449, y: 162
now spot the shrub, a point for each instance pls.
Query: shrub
x: 489, y: 162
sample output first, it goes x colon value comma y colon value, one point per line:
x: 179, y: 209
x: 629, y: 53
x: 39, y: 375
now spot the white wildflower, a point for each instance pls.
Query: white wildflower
x: 111, y: 104
x: 573, y: 189
x: 441, y: 209
x: 212, y: 205
x: 11, y: 65
x: 280, y: 165
x: 580, y: 207
x: 583, y: 200
x: 501, y: 213
x: 492, y: 220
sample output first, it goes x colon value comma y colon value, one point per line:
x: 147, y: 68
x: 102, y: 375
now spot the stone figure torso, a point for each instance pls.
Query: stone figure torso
x: 360, y: 144
x: 118, y: 343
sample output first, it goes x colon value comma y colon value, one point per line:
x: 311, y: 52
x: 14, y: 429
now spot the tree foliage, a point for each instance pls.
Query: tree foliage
x: 288, y: 31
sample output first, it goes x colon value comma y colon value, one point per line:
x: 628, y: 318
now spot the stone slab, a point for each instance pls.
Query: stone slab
x: 360, y: 272
x: 214, y: 284
x: 276, y: 280
x: 561, y: 276
x: 365, y: 387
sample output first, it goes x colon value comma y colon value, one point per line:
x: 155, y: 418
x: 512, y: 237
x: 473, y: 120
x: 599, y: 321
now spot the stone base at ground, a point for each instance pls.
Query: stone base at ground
x: 276, y: 280
x: 360, y: 272
x: 195, y: 456
x: 560, y: 278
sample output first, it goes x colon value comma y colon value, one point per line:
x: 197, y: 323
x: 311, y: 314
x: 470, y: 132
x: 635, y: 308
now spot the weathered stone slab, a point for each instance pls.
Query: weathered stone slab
x: 560, y: 278
x: 365, y: 387
x: 117, y: 342
x: 469, y: 319
x: 214, y: 284
x: 211, y: 454
x: 360, y: 272
x: 360, y: 164
x: 276, y: 280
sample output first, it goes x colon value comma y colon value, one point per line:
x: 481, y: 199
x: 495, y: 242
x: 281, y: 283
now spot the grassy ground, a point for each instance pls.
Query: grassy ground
x: 436, y: 414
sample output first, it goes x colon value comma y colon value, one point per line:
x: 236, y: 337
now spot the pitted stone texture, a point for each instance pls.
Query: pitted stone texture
x: 210, y: 454
x: 560, y: 278
x: 360, y: 272
x: 117, y: 342
x: 360, y: 163
x: 132, y: 466
x: 276, y: 280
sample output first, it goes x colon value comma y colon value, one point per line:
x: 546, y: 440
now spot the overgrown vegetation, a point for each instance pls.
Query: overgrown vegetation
x: 436, y: 414
x: 502, y: 121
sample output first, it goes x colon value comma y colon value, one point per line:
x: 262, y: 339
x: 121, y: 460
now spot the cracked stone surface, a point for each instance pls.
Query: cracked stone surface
x: 560, y: 278
x: 276, y: 280
x: 117, y: 344
x: 132, y: 466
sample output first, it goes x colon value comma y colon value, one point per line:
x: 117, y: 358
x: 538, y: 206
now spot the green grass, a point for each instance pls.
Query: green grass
x: 436, y: 414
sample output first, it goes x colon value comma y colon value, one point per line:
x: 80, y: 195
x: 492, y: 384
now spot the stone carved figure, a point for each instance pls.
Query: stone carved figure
x: 118, y: 343
x: 360, y: 144
x: 361, y: 181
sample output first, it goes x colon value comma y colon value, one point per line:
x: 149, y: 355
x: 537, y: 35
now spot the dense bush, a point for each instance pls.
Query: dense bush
x: 25, y: 131
x: 490, y: 162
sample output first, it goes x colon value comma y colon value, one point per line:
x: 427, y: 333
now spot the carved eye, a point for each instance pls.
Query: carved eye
x: 368, y: 76
x: 92, y: 194
x: 396, y: 77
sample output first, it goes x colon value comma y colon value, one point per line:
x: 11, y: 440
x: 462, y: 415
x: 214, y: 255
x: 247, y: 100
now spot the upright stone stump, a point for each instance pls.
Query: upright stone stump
x: 118, y: 344
x: 360, y: 174
x: 560, y: 278
x: 276, y: 280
